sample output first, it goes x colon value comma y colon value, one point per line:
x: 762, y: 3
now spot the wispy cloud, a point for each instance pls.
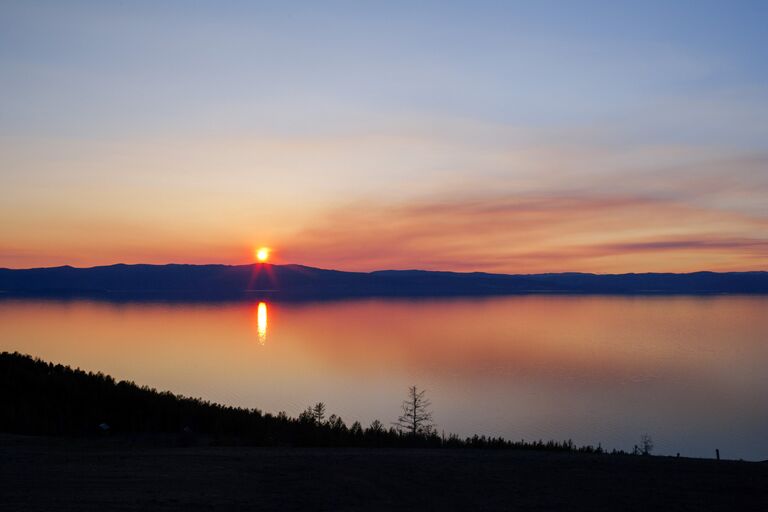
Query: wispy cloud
x: 464, y: 196
x: 534, y: 234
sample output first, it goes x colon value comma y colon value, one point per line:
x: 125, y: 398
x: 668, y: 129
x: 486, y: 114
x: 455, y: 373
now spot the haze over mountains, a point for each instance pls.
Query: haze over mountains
x: 297, y: 281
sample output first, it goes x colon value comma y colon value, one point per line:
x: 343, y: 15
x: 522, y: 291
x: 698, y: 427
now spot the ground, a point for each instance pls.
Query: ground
x: 39, y: 474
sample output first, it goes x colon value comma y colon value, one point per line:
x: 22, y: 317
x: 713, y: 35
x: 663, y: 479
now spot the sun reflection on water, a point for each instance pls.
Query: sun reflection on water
x: 261, y: 322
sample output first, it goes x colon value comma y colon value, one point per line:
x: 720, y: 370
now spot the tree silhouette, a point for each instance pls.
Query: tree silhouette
x: 318, y: 412
x: 40, y: 398
x: 416, y: 418
x: 646, y: 444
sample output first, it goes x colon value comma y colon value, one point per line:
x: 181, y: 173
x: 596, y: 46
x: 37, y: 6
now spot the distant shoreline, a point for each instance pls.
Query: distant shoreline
x: 277, y: 297
x: 296, y: 282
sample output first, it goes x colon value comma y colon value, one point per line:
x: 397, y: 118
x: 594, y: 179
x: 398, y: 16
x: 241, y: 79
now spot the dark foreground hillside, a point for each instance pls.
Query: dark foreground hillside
x: 44, y: 474
x: 40, y: 398
x: 71, y: 440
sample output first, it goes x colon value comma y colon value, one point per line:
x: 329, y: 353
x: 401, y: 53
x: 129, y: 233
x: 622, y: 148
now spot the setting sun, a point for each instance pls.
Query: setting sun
x: 262, y: 254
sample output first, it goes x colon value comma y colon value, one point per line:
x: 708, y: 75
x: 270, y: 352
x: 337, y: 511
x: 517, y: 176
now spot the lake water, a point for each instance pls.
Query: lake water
x: 692, y: 372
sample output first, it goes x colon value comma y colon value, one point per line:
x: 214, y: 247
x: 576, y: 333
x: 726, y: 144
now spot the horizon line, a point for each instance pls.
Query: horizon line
x: 563, y: 272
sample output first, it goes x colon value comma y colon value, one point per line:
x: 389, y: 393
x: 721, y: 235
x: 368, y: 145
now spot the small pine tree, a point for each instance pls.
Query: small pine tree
x: 318, y: 412
x: 376, y: 427
x: 337, y: 424
x: 307, y: 416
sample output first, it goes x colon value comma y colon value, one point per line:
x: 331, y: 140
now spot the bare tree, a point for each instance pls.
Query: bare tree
x: 416, y: 418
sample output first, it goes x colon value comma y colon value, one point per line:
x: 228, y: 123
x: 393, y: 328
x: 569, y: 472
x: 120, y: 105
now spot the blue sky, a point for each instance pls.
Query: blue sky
x: 123, y: 66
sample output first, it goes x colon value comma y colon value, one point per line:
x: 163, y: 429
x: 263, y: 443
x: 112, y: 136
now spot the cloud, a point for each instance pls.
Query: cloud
x: 430, y: 193
x: 530, y: 233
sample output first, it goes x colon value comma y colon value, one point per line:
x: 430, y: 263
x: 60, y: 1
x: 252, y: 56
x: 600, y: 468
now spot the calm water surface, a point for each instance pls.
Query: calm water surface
x: 690, y: 371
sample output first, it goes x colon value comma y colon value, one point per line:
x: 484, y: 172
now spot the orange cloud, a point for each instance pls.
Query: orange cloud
x: 496, y: 200
x: 535, y: 234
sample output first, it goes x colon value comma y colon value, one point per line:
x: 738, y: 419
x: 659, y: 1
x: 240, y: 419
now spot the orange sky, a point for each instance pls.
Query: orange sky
x: 523, y: 208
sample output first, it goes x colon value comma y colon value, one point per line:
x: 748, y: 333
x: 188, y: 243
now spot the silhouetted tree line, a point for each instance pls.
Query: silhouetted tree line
x: 40, y: 398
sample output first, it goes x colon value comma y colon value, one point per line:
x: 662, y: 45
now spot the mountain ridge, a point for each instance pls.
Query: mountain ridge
x: 297, y: 281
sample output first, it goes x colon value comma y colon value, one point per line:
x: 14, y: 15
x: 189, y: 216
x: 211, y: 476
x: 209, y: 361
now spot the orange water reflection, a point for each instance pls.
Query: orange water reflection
x: 689, y: 371
x: 261, y: 322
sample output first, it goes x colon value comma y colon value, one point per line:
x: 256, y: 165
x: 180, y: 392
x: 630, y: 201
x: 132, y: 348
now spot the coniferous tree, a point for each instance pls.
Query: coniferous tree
x: 318, y: 410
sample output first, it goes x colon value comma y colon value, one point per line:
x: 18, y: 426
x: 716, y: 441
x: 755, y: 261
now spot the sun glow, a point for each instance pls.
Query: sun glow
x: 262, y: 254
x: 261, y: 322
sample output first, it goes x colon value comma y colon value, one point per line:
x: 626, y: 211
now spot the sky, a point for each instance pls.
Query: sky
x: 515, y: 137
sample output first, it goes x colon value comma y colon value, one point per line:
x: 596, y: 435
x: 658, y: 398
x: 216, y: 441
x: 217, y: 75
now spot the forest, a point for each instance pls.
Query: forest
x: 42, y: 398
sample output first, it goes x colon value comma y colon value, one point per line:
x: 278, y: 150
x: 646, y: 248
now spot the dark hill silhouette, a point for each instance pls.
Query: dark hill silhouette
x: 297, y: 281
x: 41, y: 398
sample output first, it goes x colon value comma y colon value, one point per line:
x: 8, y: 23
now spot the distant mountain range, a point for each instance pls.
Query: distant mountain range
x: 297, y: 282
